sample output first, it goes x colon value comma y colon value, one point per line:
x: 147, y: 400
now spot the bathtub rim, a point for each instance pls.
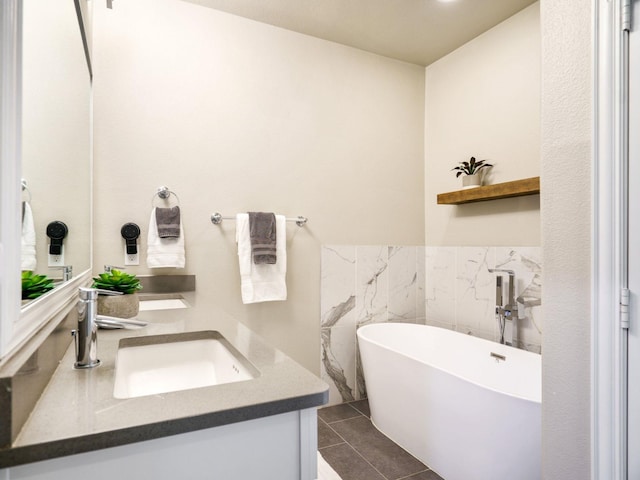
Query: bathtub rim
x: 448, y: 371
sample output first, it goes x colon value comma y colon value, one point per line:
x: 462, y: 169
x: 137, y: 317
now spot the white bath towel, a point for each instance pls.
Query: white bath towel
x: 264, y: 282
x: 164, y: 252
x: 28, y: 239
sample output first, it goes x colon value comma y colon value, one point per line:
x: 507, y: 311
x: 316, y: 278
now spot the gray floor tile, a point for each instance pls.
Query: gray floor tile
x: 337, y: 413
x: 387, y: 457
x: 326, y: 436
x: 429, y: 475
x: 362, y: 406
x: 348, y: 464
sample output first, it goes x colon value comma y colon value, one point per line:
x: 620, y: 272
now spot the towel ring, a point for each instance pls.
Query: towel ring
x: 165, y: 194
x: 23, y: 182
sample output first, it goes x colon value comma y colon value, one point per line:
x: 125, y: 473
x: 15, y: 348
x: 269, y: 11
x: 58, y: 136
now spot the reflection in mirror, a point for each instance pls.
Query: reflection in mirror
x: 55, y: 139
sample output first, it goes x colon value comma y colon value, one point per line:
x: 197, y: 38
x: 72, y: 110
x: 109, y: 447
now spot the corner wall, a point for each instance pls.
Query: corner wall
x: 234, y: 115
x: 566, y: 231
x: 483, y: 100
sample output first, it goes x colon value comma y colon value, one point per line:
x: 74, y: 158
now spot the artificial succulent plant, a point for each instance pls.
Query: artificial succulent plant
x: 34, y: 285
x: 118, y: 281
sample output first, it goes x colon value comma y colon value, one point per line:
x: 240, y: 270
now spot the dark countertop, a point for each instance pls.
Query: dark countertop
x: 78, y: 413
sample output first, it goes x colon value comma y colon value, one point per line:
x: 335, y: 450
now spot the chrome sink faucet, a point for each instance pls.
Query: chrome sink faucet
x: 67, y: 272
x: 507, y: 314
x: 86, y: 335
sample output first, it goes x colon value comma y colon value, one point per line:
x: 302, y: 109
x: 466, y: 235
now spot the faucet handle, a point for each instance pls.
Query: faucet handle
x: 108, y: 268
x: 502, y: 270
x: 498, y: 291
x: 92, y: 293
x: 67, y: 271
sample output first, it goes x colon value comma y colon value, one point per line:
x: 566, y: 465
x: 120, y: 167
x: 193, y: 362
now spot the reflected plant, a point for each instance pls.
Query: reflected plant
x: 34, y: 285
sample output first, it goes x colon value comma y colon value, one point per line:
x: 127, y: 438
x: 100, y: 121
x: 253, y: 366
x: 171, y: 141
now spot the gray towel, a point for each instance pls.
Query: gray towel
x: 262, y: 232
x: 168, y: 220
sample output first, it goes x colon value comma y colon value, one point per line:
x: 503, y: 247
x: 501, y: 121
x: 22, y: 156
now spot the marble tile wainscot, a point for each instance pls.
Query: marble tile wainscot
x: 361, y: 285
x: 448, y: 287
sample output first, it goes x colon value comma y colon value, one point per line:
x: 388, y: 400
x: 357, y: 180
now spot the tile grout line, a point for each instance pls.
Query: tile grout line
x: 339, y: 436
x: 359, y: 411
x: 332, y: 445
x: 366, y: 460
x: 427, y: 469
x: 342, y: 420
x: 356, y: 450
x: 412, y: 474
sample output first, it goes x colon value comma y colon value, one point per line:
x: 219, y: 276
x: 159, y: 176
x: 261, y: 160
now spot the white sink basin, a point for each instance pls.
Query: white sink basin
x: 161, y: 301
x: 169, y: 363
x: 162, y: 304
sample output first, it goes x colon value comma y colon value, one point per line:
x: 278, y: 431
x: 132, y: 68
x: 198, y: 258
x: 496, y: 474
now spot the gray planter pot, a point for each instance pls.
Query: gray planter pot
x: 472, y: 181
x: 122, y: 306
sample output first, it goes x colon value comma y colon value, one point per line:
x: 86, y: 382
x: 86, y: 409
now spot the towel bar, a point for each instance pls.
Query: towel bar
x: 216, y: 219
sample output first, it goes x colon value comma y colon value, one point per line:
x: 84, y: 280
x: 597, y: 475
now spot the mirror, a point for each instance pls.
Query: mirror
x: 56, y: 136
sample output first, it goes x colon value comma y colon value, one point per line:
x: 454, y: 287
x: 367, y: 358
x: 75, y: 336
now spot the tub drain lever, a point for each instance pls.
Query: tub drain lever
x: 498, y: 357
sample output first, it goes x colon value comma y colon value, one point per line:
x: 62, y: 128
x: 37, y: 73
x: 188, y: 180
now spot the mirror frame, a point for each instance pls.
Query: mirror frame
x: 17, y: 325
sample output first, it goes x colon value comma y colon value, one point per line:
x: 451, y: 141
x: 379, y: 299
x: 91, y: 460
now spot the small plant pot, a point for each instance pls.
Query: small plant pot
x: 121, y: 306
x: 472, y: 181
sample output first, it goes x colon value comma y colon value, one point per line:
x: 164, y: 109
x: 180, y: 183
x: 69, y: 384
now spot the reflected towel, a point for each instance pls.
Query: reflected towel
x: 28, y: 248
x: 164, y: 252
x: 168, y: 221
x: 262, y: 228
x: 266, y: 282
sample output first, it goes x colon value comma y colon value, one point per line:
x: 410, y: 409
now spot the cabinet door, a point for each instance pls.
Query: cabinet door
x: 278, y: 447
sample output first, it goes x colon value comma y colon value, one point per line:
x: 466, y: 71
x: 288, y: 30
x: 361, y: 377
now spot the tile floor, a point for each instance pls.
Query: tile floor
x: 356, y: 450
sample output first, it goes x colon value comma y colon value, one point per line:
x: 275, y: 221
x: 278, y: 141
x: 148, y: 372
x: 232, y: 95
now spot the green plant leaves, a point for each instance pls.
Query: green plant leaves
x: 34, y: 285
x: 118, y: 281
x: 471, y: 167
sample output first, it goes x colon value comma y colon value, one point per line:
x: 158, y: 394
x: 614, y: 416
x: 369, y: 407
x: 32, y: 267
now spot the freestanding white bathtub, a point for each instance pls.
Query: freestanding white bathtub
x: 453, y: 402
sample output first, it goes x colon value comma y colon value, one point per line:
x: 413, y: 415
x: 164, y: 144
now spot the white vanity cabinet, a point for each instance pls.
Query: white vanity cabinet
x: 278, y: 447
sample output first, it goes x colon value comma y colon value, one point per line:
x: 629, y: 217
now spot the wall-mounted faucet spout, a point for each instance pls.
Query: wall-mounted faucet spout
x: 507, y: 314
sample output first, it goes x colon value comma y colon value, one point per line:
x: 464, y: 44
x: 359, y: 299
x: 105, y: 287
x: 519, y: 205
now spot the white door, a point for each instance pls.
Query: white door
x: 634, y: 249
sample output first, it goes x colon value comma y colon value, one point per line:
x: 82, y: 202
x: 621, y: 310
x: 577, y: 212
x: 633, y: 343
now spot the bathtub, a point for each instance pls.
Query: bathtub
x: 466, y: 407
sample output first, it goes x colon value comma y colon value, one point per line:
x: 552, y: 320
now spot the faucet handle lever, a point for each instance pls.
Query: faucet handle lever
x: 511, y: 273
x: 108, y: 268
x: 499, y: 291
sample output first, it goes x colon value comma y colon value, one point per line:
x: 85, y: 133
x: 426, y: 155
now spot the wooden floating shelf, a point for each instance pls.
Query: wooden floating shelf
x: 516, y: 188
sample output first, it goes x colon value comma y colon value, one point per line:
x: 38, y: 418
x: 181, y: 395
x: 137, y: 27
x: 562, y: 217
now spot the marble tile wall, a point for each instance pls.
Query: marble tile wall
x: 449, y: 287
x: 361, y: 285
x: 460, y: 292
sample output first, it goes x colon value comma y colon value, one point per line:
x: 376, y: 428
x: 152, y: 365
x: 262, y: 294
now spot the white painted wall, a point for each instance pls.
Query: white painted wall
x: 566, y: 212
x: 234, y: 115
x: 483, y: 100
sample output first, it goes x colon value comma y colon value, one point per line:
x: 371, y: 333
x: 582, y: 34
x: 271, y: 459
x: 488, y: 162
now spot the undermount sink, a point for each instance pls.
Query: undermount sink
x: 168, y: 363
x: 161, y: 302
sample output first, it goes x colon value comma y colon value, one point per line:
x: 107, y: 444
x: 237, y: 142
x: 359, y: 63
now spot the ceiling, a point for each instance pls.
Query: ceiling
x: 414, y: 31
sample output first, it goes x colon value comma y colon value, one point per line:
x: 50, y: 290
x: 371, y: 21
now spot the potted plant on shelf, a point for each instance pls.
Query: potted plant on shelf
x: 34, y: 285
x: 473, y: 171
x: 126, y: 305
